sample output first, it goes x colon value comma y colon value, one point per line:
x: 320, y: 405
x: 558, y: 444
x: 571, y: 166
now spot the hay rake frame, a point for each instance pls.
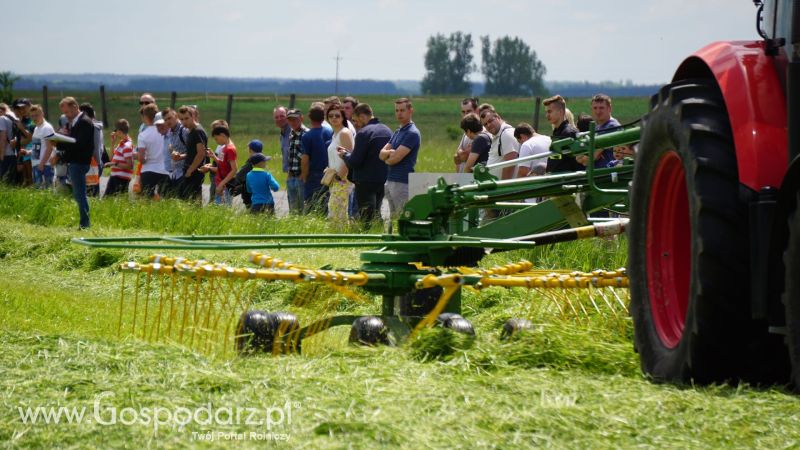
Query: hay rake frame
x: 415, y: 270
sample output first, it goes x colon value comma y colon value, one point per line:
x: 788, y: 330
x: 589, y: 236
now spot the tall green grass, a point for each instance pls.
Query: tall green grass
x: 569, y: 383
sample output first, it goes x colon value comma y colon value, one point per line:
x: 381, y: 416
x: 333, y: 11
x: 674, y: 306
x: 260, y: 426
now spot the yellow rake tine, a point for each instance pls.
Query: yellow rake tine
x: 171, y: 306
x: 121, y: 302
x: 195, y: 300
x: 135, y: 303
x: 157, y: 327
x: 621, y: 303
x: 185, y: 315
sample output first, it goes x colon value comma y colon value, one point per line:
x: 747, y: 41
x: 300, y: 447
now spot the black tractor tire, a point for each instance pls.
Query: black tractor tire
x: 688, y: 247
x: 791, y: 294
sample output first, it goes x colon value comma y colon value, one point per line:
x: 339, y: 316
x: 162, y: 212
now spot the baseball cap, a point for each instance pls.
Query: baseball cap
x: 256, y: 146
x: 294, y: 113
x: 158, y: 121
x: 20, y: 102
x: 258, y: 158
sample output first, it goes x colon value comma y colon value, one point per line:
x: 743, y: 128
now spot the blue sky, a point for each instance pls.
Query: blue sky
x: 642, y: 40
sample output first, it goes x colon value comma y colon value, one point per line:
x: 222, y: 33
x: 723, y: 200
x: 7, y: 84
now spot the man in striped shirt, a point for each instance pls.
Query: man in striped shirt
x: 121, y: 163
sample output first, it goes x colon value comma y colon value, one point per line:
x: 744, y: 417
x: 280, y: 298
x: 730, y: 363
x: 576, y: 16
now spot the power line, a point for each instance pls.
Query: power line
x: 336, y: 88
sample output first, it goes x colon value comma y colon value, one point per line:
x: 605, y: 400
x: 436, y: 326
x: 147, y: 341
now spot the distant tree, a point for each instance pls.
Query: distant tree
x: 7, y: 80
x: 448, y: 63
x: 511, y: 67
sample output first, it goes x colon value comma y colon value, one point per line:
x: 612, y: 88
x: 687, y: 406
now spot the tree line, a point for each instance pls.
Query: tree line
x: 510, y: 67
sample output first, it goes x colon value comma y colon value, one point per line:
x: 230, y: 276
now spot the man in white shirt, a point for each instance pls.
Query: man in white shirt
x: 504, y: 146
x: 150, y: 144
x: 531, y: 143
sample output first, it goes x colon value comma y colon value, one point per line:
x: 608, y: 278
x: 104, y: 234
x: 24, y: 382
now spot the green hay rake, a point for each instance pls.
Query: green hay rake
x: 419, y: 272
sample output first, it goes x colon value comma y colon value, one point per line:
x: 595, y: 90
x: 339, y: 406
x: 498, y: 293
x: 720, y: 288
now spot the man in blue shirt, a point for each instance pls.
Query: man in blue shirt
x: 314, y: 160
x: 601, y: 114
x: 400, y: 154
x: 368, y: 171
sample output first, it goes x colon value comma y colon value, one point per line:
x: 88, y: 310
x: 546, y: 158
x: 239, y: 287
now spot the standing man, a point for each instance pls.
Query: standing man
x: 367, y: 169
x: 150, y: 146
x: 348, y: 105
x: 8, y: 165
x: 555, y: 110
x: 400, y: 154
x: 78, y: 155
x: 22, y: 140
x: 285, y: 130
x: 148, y: 99
x: 175, y: 154
x: 504, y: 146
x: 294, y: 184
x: 601, y: 114
x: 196, y: 146
x: 468, y: 106
x: 314, y: 160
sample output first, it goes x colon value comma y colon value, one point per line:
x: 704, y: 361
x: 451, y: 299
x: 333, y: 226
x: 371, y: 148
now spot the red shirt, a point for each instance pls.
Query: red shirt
x: 227, y: 154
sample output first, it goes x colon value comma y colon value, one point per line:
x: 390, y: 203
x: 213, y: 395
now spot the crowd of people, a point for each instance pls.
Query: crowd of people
x: 341, y: 165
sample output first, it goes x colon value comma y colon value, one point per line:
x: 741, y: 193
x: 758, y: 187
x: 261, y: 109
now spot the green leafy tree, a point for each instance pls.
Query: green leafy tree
x: 511, y: 67
x: 448, y: 63
x: 7, y: 80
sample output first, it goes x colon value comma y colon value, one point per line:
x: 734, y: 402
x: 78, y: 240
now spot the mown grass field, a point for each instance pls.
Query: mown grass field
x: 571, y: 383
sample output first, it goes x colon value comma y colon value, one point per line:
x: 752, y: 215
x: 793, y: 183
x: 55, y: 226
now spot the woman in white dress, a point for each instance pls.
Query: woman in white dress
x: 339, y: 186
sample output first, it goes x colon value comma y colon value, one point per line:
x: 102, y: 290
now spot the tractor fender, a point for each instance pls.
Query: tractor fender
x: 756, y: 105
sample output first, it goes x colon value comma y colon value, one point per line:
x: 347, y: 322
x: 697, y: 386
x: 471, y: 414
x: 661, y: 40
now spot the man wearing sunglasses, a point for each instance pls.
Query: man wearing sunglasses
x: 148, y: 99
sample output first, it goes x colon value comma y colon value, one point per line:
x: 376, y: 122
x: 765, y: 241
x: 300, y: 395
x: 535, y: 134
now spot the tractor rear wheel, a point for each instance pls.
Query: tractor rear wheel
x: 791, y: 294
x: 688, y: 253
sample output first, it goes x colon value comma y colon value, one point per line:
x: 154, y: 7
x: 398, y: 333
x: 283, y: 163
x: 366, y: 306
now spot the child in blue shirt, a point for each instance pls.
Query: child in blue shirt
x: 259, y: 183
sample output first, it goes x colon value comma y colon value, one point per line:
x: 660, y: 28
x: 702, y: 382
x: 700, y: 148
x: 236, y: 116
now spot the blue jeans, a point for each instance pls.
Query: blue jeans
x: 294, y: 194
x: 43, y: 179
x: 352, y: 205
x: 225, y: 198
x: 77, y: 176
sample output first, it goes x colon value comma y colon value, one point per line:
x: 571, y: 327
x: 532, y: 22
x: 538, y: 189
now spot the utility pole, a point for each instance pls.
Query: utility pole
x: 336, y: 88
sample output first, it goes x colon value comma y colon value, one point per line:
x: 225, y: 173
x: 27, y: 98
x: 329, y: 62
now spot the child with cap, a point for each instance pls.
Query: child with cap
x: 259, y: 183
x: 255, y: 146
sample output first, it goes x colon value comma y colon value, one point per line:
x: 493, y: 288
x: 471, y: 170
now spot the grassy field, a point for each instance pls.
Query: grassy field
x: 574, y: 382
x: 569, y: 384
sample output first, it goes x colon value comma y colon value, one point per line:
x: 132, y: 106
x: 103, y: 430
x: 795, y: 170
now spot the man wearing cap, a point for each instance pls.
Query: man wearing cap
x: 239, y: 181
x: 23, y: 132
x: 77, y: 155
x: 294, y: 184
x: 150, y: 146
x: 259, y: 184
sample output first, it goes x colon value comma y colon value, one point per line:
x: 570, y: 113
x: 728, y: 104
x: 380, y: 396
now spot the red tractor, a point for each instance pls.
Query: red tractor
x: 714, y: 256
